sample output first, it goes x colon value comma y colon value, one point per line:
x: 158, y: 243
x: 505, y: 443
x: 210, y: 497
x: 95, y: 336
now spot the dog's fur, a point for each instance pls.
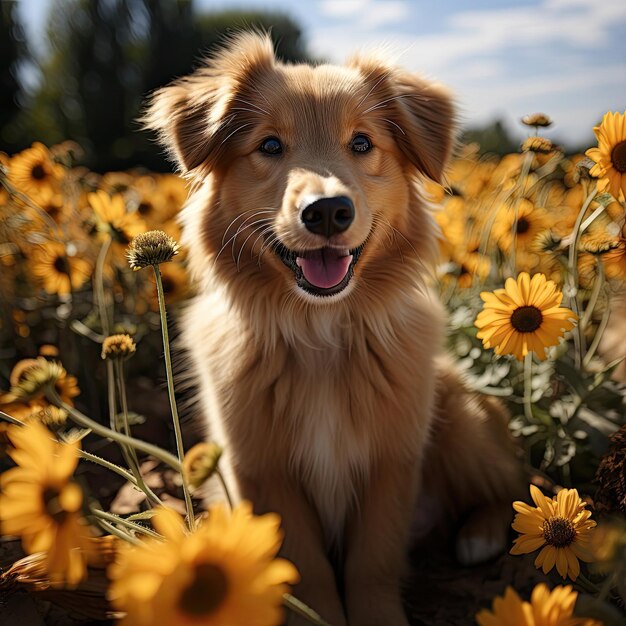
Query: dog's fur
x: 334, y: 410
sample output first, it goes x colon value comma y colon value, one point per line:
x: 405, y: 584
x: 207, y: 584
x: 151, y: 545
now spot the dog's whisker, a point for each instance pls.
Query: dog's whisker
x: 252, y: 104
x: 242, y: 228
x: 264, y: 232
x: 382, y: 103
x: 258, y: 212
x: 245, y: 241
x: 386, y: 119
x: 235, y: 131
x: 267, y: 245
x: 366, y: 96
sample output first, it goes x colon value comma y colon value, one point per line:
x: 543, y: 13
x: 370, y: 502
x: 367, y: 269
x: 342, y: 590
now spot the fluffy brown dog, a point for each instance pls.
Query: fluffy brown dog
x: 314, y: 339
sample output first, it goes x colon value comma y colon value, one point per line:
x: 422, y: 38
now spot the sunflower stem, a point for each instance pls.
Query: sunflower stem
x: 220, y: 476
x: 528, y: 389
x: 599, y: 332
x: 116, y: 519
x: 114, y: 530
x: 593, y: 298
x: 129, y: 453
x: 11, y: 420
x: 586, y: 584
x: 301, y: 609
x: 572, y: 277
x: 107, y: 464
x: 528, y: 159
x: 103, y: 431
x: 170, y: 390
x: 99, y: 286
x: 607, y: 585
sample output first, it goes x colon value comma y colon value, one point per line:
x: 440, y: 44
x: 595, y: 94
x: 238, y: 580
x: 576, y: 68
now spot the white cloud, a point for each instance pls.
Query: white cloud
x: 366, y: 14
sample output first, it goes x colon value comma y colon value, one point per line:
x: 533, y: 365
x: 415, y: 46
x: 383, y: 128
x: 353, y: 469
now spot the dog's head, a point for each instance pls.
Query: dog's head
x: 303, y: 176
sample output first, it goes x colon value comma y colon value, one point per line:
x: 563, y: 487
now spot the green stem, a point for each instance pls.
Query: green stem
x: 225, y: 486
x: 113, y: 530
x: 170, y: 390
x: 593, y: 298
x: 528, y: 390
x: 11, y: 420
x: 599, y: 332
x: 607, y: 585
x: 116, y: 519
x: 528, y: 159
x: 103, y: 431
x: 572, y: 277
x: 586, y: 584
x: 301, y: 609
x: 111, y: 466
x: 99, y: 286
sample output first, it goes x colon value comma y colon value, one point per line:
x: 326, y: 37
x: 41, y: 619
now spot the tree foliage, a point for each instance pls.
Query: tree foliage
x: 107, y: 55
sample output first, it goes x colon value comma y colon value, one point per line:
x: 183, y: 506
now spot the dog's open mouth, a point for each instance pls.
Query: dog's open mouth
x: 322, y: 272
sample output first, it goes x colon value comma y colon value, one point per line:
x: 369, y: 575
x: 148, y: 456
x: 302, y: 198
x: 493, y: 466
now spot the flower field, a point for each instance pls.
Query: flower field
x: 532, y: 271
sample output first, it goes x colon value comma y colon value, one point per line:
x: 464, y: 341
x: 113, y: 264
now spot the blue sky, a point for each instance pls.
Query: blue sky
x: 502, y: 58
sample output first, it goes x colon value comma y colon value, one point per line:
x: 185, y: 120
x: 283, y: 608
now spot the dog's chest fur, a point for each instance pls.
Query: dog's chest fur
x: 322, y: 407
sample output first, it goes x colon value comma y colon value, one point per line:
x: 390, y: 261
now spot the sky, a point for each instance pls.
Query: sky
x: 502, y: 58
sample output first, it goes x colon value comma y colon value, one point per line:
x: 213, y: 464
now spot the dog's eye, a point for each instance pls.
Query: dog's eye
x: 271, y: 145
x: 360, y: 143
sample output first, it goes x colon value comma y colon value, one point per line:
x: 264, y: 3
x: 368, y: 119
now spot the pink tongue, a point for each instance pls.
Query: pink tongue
x: 324, y: 268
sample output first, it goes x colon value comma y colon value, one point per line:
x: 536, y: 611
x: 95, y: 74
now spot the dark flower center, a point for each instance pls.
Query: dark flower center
x: 206, y: 592
x: 38, y: 172
x: 144, y: 208
x: 522, y: 225
x: 52, y: 504
x: 60, y: 265
x: 119, y: 235
x: 618, y: 157
x: 526, y: 319
x: 559, y: 532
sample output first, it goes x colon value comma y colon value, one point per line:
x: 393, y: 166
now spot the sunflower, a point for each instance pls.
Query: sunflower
x: 40, y: 503
x: 522, y: 228
x: 559, y: 526
x: 469, y: 266
x: 57, y: 271
x: 524, y: 317
x: 30, y: 377
x: 610, y: 155
x: 34, y: 172
x: 113, y: 218
x: 546, y: 608
x: 224, y: 573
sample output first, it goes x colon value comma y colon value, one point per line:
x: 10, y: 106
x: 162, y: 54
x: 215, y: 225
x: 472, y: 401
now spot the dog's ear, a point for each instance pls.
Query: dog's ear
x: 191, y: 115
x: 420, y: 113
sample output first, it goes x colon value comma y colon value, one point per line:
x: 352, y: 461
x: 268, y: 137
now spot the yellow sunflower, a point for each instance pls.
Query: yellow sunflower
x: 29, y: 377
x: 114, y: 219
x: 531, y: 221
x: 524, y: 317
x: 58, y: 272
x: 546, y: 608
x: 610, y: 155
x: 41, y: 504
x: 224, y: 573
x: 559, y: 526
x: 34, y: 172
x: 469, y: 266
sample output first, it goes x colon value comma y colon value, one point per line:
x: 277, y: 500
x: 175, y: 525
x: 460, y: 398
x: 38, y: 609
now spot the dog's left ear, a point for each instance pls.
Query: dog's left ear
x: 421, y: 114
x: 426, y: 114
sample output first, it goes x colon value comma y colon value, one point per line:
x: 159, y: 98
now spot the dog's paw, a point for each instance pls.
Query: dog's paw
x: 484, y: 535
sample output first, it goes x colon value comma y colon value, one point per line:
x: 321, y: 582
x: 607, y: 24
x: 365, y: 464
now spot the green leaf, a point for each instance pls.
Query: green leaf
x: 144, y: 515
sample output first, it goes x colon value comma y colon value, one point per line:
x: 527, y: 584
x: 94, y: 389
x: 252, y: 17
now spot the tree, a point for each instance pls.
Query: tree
x: 107, y: 55
x: 13, y: 55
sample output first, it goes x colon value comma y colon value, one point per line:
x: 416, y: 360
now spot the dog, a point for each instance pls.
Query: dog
x: 314, y: 339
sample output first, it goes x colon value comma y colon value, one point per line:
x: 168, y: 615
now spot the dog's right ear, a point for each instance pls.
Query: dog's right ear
x: 191, y: 114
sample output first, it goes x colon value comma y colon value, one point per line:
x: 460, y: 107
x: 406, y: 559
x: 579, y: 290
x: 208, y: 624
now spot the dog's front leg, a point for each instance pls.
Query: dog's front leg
x: 377, y: 546
x: 303, y: 545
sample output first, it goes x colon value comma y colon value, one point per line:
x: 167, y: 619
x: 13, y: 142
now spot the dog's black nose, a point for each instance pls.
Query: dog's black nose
x: 328, y: 216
